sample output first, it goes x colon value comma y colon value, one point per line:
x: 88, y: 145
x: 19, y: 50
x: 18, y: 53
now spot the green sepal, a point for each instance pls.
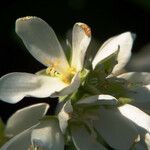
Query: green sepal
x: 2, y: 126
x: 64, y: 98
x: 83, y: 112
x: 115, y: 87
x: 124, y: 100
x: 106, y: 66
x: 97, y: 78
x: 70, y: 146
x: 83, y: 75
x: 49, y: 117
x: 3, y: 138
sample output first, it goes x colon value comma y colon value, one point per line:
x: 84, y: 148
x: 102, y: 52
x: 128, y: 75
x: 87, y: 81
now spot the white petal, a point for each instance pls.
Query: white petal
x: 41, y: 41
x: 80, y: 40
x: 141, y: 94
x: 107, y: 100
x: 116, y: 130
x: 140, y: 60
x: 48, y: 135
x: 101, y: 99
x: 144, y: 143
x: 25, y: 118
x: 136, y: 115
x: 139, y: 78
x: 83, y: 140
x: 15, y: 86
x: 64, y: 115
x: 88, y: 100
x: 147, y: 140
x: 124, y: 41
x: 19, y: 142
x: 75, y: 83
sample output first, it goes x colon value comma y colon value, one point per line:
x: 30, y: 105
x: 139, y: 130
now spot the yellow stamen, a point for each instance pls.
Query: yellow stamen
x: 53, y: 63
x: 66, y: 78
x: 72, y: 70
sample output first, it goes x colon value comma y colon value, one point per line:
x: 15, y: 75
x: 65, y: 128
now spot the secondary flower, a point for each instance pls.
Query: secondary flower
x: 101, y: 124
x: 60, y: 77
x: 28, y: 131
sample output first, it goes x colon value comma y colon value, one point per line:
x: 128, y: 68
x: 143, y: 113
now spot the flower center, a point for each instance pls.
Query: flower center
x: 66, y: 78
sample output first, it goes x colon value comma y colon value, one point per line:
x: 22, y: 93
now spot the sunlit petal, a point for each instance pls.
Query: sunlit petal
x: 15, y: 86
x: 25, y: 118
x: 47, y: 135
x: 80, y: 41
x: 123, y: 42
x: 19, y: 142
x: 119, y: 132
x: 136, y: 115
x: 64, y: 115
x: 41, y: 41
x: 101, y: 99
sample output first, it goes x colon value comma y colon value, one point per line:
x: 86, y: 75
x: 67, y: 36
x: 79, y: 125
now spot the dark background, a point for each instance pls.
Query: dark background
x: 106, y: 18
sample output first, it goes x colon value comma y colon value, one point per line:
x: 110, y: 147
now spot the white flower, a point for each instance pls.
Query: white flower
x: 60, y: 77
x: 29, y: 132
x: 138, y: 89
x: 98, y: 122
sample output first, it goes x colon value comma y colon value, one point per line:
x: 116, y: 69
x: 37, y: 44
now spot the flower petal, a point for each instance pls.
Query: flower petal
x: 140, y: 146
x: 147, y: 140
x: 19, y: 142
x: 25, y: 118
x: 141, y: 96
x: 116, y: 130
x: 138, y: 84
x: 75, y: 83
x: 41, y: 41
x: 136, y: 115
x: 101, y: 99
x: 64, y: 116
x: 47, y: 135
x: 80, y: 41
x: 124, y: 42
x: 15, y: 86
x: 82, y: 138
x: 138, y: 78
